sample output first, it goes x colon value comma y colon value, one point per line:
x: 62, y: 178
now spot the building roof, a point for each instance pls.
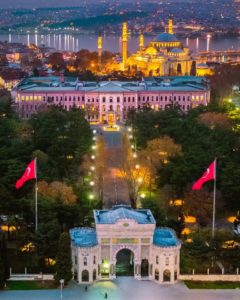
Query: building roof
x: 83, y: 237
x: 123, y: 212
x: 166, y: 38
x: 177, y: 50
x: 53, y: 84
x: 165, y: 237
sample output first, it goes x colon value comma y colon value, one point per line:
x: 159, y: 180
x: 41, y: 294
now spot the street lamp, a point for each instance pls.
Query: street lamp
x: 61, y: 285
x: 137, y: 167
x: 93, y: 157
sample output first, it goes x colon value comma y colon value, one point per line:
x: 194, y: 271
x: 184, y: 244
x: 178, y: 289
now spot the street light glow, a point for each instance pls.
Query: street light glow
x: 137, y: 167
x: 91, y: 196
x: 92, y: 168
x: 92, y: 183
x: 93, y: 157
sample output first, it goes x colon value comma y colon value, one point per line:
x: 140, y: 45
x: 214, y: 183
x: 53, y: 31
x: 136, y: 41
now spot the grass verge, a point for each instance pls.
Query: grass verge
x: 31, y: 285
x: 213, y: 285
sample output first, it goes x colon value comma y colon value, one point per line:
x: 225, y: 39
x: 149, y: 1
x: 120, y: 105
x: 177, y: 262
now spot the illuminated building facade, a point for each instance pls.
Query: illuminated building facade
x: 107, y: 100
x: 154, y: 253
x: 163, y: 56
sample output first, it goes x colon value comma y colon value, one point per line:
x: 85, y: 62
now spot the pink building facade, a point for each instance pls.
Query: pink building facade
x: 107, y: 100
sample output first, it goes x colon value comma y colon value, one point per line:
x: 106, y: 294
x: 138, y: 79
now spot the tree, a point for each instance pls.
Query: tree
x: 4, y: 258
x: 100, y: 165
x: 135, y: 175
x: 58, y: 191
x: 63, y: 261
x: 215, y: 120
x: 56, y: 61
x: 47, y: 236
x: 200, y: 204
x: 157, y: 152
x: 2, y: 277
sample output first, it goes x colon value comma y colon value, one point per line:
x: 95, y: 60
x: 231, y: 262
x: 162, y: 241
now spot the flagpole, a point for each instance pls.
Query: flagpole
x: 214, y: 200
x: 36, y: 198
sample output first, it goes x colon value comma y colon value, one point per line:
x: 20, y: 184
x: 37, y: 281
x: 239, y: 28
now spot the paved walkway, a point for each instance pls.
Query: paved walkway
x: 124, y: 288
x: 115, y: 189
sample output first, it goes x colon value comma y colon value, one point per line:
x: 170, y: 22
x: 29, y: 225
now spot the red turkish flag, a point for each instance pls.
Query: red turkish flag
x: 30, y: 173
x: 209, y: 174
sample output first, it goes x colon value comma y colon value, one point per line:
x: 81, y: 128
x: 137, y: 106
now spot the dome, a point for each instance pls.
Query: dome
x: 166, y: 38
x: 151, y: 51
x: 177, y: 50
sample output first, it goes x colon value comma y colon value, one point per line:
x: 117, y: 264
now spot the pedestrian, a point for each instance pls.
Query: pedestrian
x: 86, y: 288
x: 105, y: 296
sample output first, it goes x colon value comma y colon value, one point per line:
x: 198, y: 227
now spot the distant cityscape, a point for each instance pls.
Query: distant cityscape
x: 215, y: 17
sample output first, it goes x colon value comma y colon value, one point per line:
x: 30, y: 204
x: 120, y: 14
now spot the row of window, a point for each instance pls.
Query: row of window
x: 166, y: 260
x: 85, y: 260
x: 125, y: 99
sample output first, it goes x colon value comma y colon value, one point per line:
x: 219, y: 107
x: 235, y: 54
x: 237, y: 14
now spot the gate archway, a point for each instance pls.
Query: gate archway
x: 125, y: 262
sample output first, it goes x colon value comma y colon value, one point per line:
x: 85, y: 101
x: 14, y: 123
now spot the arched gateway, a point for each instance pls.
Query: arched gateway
x: 125, y: 242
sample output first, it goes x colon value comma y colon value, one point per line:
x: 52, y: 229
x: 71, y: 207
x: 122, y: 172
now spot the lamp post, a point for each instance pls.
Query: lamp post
x: 61, y: 285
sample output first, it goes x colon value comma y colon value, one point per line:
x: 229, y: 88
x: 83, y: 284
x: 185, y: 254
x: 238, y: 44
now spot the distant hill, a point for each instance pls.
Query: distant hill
x: 99, y: 20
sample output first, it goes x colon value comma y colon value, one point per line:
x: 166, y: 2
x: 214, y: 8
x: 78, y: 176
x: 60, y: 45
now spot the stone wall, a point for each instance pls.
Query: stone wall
x: 210, y: 277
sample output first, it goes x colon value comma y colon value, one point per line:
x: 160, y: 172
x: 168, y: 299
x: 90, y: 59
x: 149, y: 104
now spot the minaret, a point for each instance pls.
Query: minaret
x: 141, y: 41
x: 124, y: 44
x: 100, y: 43
x: 170, y: 26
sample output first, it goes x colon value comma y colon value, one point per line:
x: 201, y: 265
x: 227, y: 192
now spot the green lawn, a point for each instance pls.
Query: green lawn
x: 213, y: 285
x: 31, y: 285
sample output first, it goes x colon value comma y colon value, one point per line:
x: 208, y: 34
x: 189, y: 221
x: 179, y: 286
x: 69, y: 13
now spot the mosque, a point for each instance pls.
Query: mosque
x: 164, y: 56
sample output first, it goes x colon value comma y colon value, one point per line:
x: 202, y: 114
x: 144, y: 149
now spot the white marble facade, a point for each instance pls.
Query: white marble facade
x: 94, y: 250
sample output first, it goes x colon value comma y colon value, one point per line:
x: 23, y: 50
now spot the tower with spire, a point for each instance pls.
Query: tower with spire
x: 170, y: 26
x: 141, y: 41
x: 124, y: 44
x: 100, y: 43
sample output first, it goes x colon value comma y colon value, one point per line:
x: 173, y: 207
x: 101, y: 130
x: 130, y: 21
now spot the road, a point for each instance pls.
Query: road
x: 115, y: 189
x: 122, y: 288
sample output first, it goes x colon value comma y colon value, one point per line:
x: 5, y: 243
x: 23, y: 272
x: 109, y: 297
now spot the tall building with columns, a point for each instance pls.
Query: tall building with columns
x: 109, y: 100
x: 123, y: 233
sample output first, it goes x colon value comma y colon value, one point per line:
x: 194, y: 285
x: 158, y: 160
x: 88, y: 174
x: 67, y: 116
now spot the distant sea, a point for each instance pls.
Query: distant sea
x: 68, y: 42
